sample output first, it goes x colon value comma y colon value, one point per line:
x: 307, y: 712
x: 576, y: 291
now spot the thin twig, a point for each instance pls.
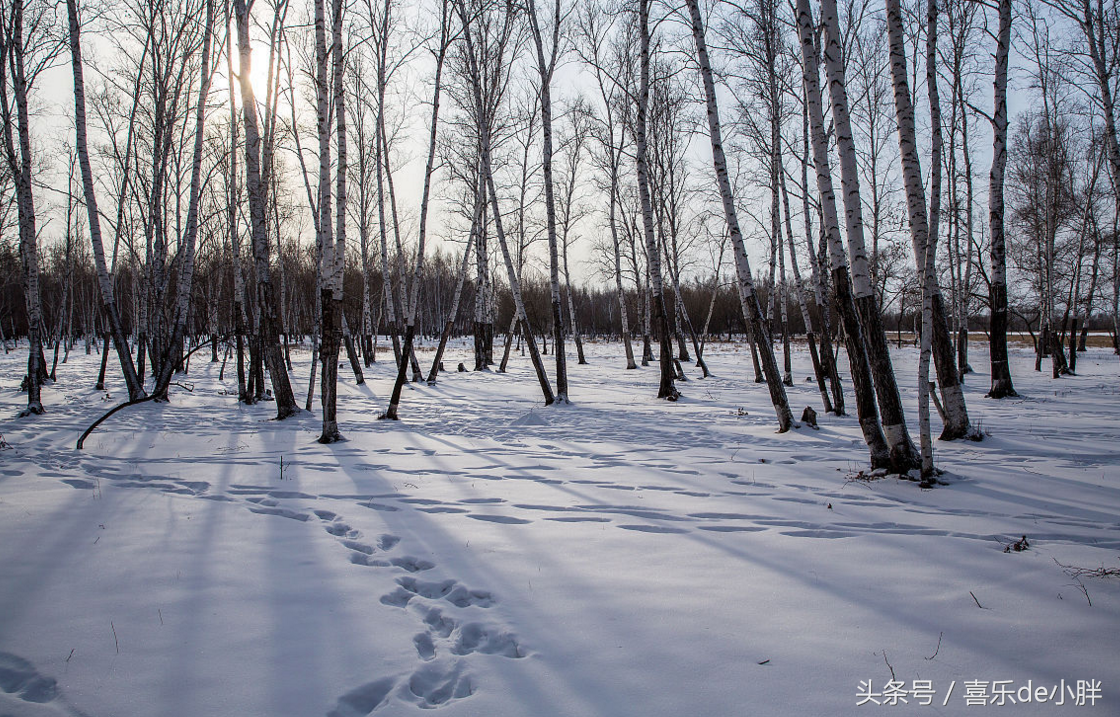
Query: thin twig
x: 115, y: 641
x: 889, y: 666
x: 938, y: 646
x: 977, y: 601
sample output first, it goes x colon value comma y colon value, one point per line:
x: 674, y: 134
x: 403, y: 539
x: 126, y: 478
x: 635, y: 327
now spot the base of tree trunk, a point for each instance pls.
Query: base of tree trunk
x: 1001, y: 388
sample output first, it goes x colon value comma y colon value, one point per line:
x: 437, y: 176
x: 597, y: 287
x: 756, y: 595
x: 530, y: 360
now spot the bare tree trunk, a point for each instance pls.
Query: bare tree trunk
x: 414, y: 283
x: 484, y: 136
x: 862, y: 383
x: 818, y: 274
x: 803, y: 304
x: 963, y: 366
x: 390, y: 296
x: 105, y: 284
x: 752, y: 310
x: 928, y: 265
x: 232, y: 197
x: 545, y: 68
x: 332, y: 246
x: 400, y: 247
x: 187, y: 255
x: 268, y: 334
x: 956, y: 415
x: 612, y: 219
x: 12, y: 54
x: 904, y: 455
x: 580, y: 358
x: 666, y: 388
x: 1002, y: 386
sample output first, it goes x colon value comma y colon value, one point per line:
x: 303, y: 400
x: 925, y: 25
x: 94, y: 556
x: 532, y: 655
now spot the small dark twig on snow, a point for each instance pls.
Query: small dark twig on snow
x: 889, y: 666
x: 938, y: 646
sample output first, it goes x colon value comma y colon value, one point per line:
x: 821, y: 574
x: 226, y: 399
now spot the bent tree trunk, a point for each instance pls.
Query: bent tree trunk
x: 413, y: 297
x: 956, y: 414
x: 267, y: 331
x: 476, y: 79
x: 752, y: 310
x: 862, y: 383
x: 104, y: 283
x: 904, y: 456
x: 453, y: 313
x: 666, y: 389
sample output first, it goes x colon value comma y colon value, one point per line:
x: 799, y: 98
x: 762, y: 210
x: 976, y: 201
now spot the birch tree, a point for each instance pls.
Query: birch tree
x: 104, y: 282
x: 862, y: 382
x: 429, y: 170
x: 956, y: 415
x: 752, y: 310
x: 594, y: 51
x: 546, y: 68
x: 1002, y: 385
x: 268, y: 332
x: 483, y: 124
x: 26, y: 50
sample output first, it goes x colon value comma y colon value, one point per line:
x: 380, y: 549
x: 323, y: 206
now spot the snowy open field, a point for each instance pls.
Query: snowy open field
x: 488, y: 556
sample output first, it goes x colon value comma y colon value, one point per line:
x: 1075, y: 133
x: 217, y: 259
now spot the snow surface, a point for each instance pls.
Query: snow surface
x: 490, y: 556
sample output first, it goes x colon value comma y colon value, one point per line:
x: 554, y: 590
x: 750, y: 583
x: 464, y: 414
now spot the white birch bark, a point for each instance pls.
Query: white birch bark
x: 862, y: 383
x: 752, y: 311
x: 12, y: 54
x: 187, y: 257
x: 904, y: 454
x: 546, y: 66
x: 483, y: 125
x: 268, y: 335
x: 414, y: 283
x: 104, y: 282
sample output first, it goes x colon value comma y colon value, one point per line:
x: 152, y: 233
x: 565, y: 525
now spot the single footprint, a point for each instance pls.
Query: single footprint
x: 430, y: 590
x: 476, y: 637
x: 434, y: 686
x: 360, y: 547
x: 360, y: 701
x: 341, y: 530
x: 411, y: 564
x: 20, y: 678
x: 425, y: 648
x: 462, y: 597
x: 438, y: 623
x: 282, y: 512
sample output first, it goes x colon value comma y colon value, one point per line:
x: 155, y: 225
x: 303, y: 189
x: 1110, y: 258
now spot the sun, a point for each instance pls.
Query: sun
x: 259, y: 73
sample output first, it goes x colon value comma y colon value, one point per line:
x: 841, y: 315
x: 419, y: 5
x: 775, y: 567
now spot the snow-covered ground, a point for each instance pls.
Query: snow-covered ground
x: 489, y: 556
